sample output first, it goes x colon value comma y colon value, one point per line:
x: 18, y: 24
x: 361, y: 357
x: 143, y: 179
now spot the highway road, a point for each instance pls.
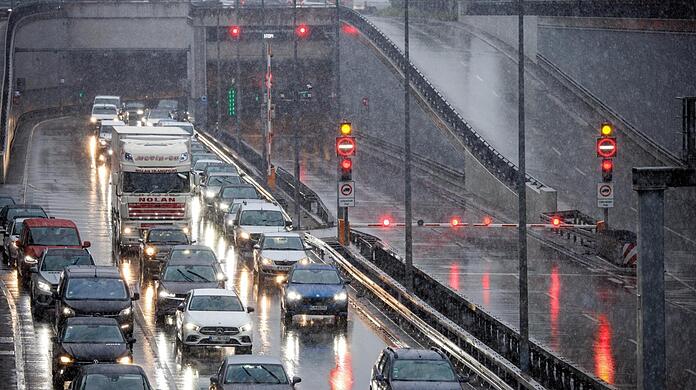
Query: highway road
x: 61, y: 175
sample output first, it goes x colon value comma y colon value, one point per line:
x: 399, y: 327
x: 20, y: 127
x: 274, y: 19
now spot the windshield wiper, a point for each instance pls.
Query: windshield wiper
x: 199, y: 276
x: 184, y: 275
x: 256, y: 380
x: 272, y: 374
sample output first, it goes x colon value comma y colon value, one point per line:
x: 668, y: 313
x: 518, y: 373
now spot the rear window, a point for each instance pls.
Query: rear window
x: 221, y: 168
x: 53, y: 236
x: 96, y: 288
x: 104, y: 110
x: 58, y: 261
x: 17, y: 213
x: 240, y: 193
x: 114, y: 382
x: 261, y: 218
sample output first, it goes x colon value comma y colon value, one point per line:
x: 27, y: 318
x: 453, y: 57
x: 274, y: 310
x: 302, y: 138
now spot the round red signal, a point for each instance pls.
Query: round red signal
x: 346, y: 163
x: 386, y: 222
x: 455, y: 221
x: 302, y: 31
x: 606, y: 147
x: 234, y: 31
x: 487, y: 220
x: 555, y: 221
x: 607, y: 165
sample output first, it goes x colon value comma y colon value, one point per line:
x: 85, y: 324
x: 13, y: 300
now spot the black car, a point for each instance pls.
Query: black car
x: 181, y: 275
x: 132, y: 113
x: 110, y: 377
x: 88, y: 340
x: 6, y: 200
x: 228, y: 193
x: 45, y: 275
x: 155, y: 246
x: 11, y: 211
x: 88, y: 290
x: 314, y: 289
x: 411, y: 369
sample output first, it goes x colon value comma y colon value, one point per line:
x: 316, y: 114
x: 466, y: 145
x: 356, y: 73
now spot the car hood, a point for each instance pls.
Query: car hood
x: 262, y: 229
x: 316, y: 290
x: 207, y: 318
x: 104, y: 116
x: 256, y: 386
x: 396, y: 385
x: 185, y: 287
x: 283, y: 255
x: 95, y: 306
x: 101, y: 352
x: 51, y: 276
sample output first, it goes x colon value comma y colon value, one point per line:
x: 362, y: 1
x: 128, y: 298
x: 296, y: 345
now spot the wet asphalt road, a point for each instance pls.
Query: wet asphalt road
x: 64, y: 179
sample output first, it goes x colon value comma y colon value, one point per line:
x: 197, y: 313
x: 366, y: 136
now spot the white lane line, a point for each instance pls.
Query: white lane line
x: 495, y: 93
x: 16, y: 331
x: 580, y: 172
x: 479, y: 78
x: 614, y: 280
x: 556, y: 150
x: 633, y: 209
x: 6, y: 340
x: 680, y: 235
x: 7, y: 353
x: 633, y: 341
x: 589, y: 317
x: 690, y: 372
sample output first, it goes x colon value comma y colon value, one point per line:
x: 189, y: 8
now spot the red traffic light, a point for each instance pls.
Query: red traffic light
x: 606, y: 147
x: 386, y: 222
x: 234, y: 31
x: 607, y: 165
x: 346, y: 164
x: 487, y: 220
x: 556, y: 221
x: 454, y: 222
x: 302, y: 31
x: 345, y: 146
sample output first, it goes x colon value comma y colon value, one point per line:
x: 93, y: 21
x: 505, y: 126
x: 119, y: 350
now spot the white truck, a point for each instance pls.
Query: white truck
x: 150, y: 181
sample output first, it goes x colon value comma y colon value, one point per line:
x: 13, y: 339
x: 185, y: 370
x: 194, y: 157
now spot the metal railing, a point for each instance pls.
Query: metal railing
x: 551, y: 371
x: 502, y: 168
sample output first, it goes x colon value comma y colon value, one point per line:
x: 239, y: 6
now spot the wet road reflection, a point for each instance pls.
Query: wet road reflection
x: 316, y: 349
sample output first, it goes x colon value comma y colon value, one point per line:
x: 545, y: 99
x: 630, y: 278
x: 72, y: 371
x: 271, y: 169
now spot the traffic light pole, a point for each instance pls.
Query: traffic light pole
x: 407, y: 152
x: 238, y: 85
x: 218, y: 76
x: 296, y: 132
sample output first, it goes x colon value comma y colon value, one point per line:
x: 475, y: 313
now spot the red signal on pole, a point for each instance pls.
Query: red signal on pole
x: 347, y: 163
x: 606, y: 147
x: 386, y: 222
x: 302, y: 31
x: 556, y: 221
x: 345, y: 146
x: 455, y: 222
x: 234, y: 31
x: 607, y: 169
x: 487, y: 220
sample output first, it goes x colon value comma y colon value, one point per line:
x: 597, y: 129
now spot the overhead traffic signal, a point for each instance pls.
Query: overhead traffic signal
x: 302, y: 31
x: 234, y: 31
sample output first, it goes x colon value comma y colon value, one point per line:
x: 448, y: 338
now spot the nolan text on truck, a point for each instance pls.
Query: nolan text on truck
x: 151, y: 182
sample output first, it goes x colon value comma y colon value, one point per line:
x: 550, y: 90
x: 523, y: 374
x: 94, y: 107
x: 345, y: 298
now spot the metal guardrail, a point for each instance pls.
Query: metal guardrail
x: 551, y: 371
x: 492, y: 160
x: 430, y: 327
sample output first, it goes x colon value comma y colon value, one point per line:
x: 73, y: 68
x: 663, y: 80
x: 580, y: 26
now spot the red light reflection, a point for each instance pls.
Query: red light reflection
x: 349, y: 29
x: 341, y: 376
x: 554, y: 306
x: 454, y: 276
x: 486, y: 285
x: 604, y: 361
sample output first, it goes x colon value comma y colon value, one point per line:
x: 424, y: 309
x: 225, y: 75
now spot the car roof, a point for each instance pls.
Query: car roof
x: 49, y: 222
x: 283, y: 234
x: 103, y: 368
x: 259, y: 359
x: 92, y: 271
x: 112, y: 123
x: 224, y: 174
x: 213, y: 291
x: 104, y: 105
x: 91, y: 321
x: 192, y: 247
x: 314, y: 266
x: 417, y: 354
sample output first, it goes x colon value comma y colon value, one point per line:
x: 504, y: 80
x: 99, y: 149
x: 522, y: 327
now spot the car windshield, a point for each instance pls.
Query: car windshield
x: 283, y: 243
x: 96, y: 288
x: 26, y: 213
x: 57, y: 262
x: 105, y: 131
x: 315, y: 276
x: 114, y: 382
x: 201, y: 165
x: 220, y: 168
x: 93, y: 334
x: 202, y: 255
x: 53, y: 236
x: 157, y: 113
x: 261, y: 218
x: 215, y: 303
x: 190, y: 273
x: 165, y: 236
x: 104, y: 111
x: 423, y: 371
x: 218, y: 181
x: 134, y: 105
x: 170, y: 183
x: 256, y: 373
x: 240, y: 193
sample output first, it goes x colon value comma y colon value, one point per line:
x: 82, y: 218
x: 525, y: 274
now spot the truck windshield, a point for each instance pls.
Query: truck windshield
x: 156, y: 182
x: 104, y: 111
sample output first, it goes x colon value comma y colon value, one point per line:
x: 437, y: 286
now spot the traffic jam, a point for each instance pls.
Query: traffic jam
x: 168, y: 188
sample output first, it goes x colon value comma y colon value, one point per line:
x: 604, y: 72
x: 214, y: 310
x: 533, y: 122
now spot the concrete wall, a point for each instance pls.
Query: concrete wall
x: 505, y: 28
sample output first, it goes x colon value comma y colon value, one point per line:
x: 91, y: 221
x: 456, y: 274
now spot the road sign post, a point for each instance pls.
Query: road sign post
x: 346, y: 193
x: 345, y: 150
x: 606, y: 151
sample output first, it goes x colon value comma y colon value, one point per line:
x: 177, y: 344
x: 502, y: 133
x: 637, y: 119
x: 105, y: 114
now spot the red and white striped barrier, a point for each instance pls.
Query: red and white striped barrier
x: 630, y: 254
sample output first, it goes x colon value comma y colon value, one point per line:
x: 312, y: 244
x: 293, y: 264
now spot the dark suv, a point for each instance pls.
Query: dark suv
x: 410, y: 368
x: 156, y: 245
x: 89, y: 290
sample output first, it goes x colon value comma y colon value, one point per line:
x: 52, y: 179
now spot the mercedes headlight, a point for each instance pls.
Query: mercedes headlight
x: 124, y: 360
x: 29, y: 259
x: 224, y: 206
x: 125, y: 312
x: 127, y: 230
x: 266, y: 261
x: 210, y: 194
x: 140, y: 112
x: 342, y: 296
x: 43, y: 286
x: 245, y: 328
x: 294, y: 296
x: 244, y: 236
x: 65, y: 359
x: 150, y: 251
x: 305, y: 261
x: 68, y: 312
x: 191, y: 326
x: 102, y: 141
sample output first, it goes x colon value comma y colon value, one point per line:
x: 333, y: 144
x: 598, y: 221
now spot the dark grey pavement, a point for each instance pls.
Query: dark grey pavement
x: 62, y: 176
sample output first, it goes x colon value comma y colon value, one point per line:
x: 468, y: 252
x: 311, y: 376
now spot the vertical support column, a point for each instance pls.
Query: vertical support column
x: 294, y: 120
x: 218, y: 76
x: 407, y: 154
x: 197, y: 74
x: 651, y: 290
x: 337, y: 103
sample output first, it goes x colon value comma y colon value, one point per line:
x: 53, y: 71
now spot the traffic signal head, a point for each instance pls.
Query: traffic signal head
x: 606, y: 147
x: 302, y: 31
x: 346, y: 128
x: 345, y: 146
x: 556, y: 221
x: 607, y: 130
x: 487, y: 220
x: 607, y: 169
x: 346, y: 169
x: 386, y: 221
x: 234, y: 31
x: 455, y: 221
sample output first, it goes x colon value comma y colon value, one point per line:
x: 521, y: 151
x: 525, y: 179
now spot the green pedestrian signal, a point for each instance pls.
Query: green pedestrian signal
x: 82, y: 94
x: 232, y: 102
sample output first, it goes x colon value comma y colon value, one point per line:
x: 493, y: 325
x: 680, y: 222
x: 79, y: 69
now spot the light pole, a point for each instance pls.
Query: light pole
x: 407, y: 152
x: 238, y: 84
x: 218, y: 77
x: 293, y: 120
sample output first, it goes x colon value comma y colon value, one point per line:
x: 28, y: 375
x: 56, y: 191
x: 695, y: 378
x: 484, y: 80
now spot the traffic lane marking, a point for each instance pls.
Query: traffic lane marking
x: 556, y: 150
x: 581, y: 172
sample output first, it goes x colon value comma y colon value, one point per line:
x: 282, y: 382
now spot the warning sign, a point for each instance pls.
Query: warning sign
x: 605, y: 195
x: 346, y: 194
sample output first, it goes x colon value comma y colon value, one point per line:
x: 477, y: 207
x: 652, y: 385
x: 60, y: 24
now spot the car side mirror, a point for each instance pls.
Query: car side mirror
x: 136, y: 296
x: 250, y: 309
x: 34, y: 269
x: 155, y: 277
x: 296, y: 380
x: 86, y: 244
x: 181, y: 306
x: 214, y: 380
x: 131, y: 341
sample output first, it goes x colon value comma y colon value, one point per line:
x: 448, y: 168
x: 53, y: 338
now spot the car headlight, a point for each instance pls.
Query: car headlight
x: 102, y: 141
x: 65, y: 359
x: 127, y: 230
x: 43, y: 286
x: 124, y: 360
x: 29, y: 260
x: 245, y: 328
x: 224, y: 206
x: 305, y: 261
x: 68, y: 312
x: 230, y: 221
x: 293, y: 296
x: 191, y: 326
x: 342, y: 296
x: 126, y: 312
x: 210, y: 194
x: 185, y: 230
x: 266, y: 261
x: 110, y: 152
x: 140, y: 112
x: 93, y: 119
x: 244, y: 236
x: 166, y: 294
x: 150, y: 251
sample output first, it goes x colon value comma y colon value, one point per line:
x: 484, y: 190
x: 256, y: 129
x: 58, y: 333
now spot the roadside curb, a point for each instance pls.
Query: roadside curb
x: 18, y: 348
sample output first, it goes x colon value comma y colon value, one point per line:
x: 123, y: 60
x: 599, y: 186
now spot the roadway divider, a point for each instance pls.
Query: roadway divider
x: 551, y: 371
x: 487, y: 368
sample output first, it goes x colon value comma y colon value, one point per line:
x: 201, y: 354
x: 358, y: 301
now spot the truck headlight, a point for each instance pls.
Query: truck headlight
x: 342, y: 296
x: 191, y: 326
x: 43, y: 286
x: 124, y: 360
x: 305, y: 261
x: 293, y: 296
x: 150, y: 251
x: 125, y: 312
x: 244, y: 236
x: 68, y: 312
x: 29, y: 259
x: 127, y: 230
x: 65, y: 359
x: 102, y: 142
x: 224, y: 206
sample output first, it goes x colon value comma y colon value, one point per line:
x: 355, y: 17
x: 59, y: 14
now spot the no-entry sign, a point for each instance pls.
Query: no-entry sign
x: 346, y: 194
x: 605, y: 195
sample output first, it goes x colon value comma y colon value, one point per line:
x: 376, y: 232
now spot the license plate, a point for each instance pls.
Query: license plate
x: 318, y: 308
x: 218, y: 339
